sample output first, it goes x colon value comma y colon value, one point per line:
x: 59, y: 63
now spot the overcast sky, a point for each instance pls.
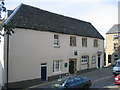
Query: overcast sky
x: 103, y: 14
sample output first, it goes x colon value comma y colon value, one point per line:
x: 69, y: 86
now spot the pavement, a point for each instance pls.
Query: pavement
x: 113, y: 85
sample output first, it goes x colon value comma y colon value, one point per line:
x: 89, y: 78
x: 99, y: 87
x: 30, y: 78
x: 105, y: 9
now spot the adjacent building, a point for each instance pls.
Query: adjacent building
x: 46, y: 45
x: 113, y: 45
x: 1, y: 58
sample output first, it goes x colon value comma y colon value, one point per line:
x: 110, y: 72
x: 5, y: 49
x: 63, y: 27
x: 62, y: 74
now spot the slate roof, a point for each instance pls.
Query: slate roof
x: 29, y: 17
x: 114, y: 29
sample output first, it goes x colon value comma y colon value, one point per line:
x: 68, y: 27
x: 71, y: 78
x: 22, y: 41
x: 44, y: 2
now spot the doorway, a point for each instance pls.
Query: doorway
x: 43, y: 72
x: 99, y: 60
x: 109, y: 58
x: 72, y: 66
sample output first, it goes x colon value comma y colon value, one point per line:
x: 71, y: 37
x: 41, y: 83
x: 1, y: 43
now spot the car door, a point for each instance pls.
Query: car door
x: 70, y: 83
x: 78, y: 82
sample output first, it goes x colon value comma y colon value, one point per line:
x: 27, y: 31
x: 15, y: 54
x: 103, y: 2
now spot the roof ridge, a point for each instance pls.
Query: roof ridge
x: 29, y: 17
x: 56, y: 13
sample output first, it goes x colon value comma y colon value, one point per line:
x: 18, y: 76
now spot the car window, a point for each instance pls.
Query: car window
x: 59, y: 82
x: 117, y: 64
x: 78, y: 79
x: 70, y: 81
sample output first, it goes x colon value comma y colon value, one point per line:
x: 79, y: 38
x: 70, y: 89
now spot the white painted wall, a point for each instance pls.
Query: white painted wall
x: 30, y: 48
x: 1, y: 61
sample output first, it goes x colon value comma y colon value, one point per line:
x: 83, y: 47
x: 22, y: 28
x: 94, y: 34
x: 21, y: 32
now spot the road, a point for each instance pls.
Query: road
x: 101, y: 78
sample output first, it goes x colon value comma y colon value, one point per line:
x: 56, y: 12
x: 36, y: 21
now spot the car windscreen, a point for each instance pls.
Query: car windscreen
x: 117, y: 64
x: 59, y: 82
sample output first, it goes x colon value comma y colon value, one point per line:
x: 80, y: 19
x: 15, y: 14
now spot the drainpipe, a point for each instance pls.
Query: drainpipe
x: 7, y: 60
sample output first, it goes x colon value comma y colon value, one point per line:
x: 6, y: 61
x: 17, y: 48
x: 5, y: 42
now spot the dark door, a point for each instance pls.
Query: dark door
x: 71, y: 67
x: 109, y: 58
x: 43, y: 73
x: 98, y: 61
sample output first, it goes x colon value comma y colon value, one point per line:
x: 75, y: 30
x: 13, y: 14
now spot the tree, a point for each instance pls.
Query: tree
x: 8, y: 30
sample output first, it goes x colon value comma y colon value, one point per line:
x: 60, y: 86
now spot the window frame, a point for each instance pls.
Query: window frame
x: 84, y: 42
x: 93, y: 59
x: 84, y: 59
x: 95, y: 42
x: 57, y: 66
x: 73, y: 41
x: 115, y: 58
x: 56, y: 41
x: 115, y: 37
x: 115, y: 46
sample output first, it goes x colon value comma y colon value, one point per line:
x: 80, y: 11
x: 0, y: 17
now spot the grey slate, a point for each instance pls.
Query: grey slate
x: 36, y: 19
x: 114, y: 29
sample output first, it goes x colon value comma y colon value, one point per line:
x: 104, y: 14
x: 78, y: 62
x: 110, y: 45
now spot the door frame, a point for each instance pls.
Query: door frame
x: 75, y: 64
x: 44, y: 65
x: 99, y: 60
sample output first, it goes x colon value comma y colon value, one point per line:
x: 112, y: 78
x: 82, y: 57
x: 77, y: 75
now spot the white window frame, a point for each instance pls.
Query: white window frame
x: 56, y: 40
x: 55, y: 67
x: 116, y: 37
x: 115, y: 58
x: 73, y: 41
x: 95, y: 42
x: 84, y: 59
x: 115, y: 46
x: 84, y: 42
x: 93, y: 59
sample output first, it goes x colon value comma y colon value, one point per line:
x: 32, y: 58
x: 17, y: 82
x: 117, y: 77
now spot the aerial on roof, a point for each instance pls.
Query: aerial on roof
x: 114, y: 29
x: 25, y: 16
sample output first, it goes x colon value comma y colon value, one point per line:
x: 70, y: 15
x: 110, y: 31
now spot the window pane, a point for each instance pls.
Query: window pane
x: 56, y: 40
x: 55, y: 36
x: 57, y: 66
x: 72, y: 41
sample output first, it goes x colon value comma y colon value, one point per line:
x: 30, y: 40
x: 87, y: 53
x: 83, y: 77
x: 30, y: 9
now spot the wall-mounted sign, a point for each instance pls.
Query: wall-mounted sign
x: 75, y: 52
x: 66, y: 64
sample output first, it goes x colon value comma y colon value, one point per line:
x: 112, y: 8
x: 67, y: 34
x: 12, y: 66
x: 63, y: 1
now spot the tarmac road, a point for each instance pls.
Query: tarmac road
x: 101, y: 78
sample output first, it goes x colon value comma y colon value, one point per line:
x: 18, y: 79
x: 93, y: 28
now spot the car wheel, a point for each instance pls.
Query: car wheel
x: 86, y: 86
x: 115, y: 75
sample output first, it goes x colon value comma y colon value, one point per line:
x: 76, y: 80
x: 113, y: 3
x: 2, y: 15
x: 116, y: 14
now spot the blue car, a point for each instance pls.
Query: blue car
x: 72, y: 82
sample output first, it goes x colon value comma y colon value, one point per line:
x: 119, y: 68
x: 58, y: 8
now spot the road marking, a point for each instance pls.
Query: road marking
x: 102, y: 78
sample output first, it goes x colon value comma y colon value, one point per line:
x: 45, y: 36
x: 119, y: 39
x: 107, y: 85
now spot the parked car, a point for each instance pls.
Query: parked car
x: 117, y: 79
x: 72, y: 82
x: 116, y: 68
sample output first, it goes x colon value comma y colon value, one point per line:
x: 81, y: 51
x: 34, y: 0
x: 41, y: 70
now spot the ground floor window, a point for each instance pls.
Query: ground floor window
x: 84, y: 59
x: 115, y: 57
x: 93, y: 59
x: 57, y: 65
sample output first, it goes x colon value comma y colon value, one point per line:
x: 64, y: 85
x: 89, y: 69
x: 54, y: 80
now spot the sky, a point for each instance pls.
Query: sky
x: 102, y: 14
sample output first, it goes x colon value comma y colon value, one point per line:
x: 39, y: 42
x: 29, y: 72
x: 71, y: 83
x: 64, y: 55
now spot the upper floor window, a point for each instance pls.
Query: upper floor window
x: 95, y: 42
x: 56, y: 40
x: 0, y: 39
x: 72, y: 41
x: 115, y: 57
x: 84, y: 42
x: 115, y: 37
x: 115, y: 46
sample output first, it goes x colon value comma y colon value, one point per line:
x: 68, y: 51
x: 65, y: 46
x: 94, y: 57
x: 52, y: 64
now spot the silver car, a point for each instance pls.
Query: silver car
x: 116, y: 68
